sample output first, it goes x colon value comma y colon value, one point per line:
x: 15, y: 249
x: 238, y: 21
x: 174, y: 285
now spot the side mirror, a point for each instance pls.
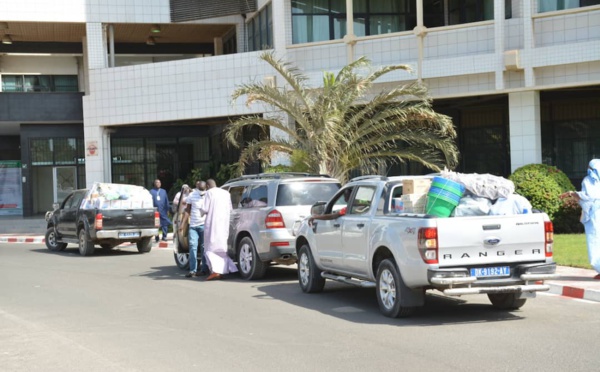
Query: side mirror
x: 318, y: 208
x: 55, y: 206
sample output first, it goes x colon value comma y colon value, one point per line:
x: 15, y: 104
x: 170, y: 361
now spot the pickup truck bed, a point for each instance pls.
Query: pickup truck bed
x: 403, y: 255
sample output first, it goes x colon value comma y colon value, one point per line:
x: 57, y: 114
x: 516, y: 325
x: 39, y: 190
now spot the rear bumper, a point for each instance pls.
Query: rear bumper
x: 524, y: 278
x: 114, y: 234
x: 276, y: 244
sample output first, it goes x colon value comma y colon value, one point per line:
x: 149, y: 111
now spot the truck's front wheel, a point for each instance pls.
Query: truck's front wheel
x: 388, y: 291
x: 51, y: 241
x: 506, y: 301
x: 309, y: 275
x: 144, y: 245
x: 86, y: 247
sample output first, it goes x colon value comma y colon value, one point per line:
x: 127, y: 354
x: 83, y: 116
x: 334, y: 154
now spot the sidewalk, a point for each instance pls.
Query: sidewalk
x: 574, y: 282
x: 17, y: 229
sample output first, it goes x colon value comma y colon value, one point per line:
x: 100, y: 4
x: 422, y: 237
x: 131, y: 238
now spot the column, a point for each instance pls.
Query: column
x: 280, y: 16
x: 528, y: 40
x: 96, y: 46
x: 499, y: 41
x: 524, y: 128
x: 97, y: 154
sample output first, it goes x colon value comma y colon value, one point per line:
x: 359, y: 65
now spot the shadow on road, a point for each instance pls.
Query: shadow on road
x: 359, y: 305
x: 73, y: 252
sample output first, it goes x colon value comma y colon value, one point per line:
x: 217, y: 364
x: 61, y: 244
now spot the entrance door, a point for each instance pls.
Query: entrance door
x: 64, y: 182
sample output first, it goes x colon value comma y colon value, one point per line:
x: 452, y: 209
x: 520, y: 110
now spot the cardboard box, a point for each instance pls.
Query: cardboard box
x: 416, y: 186
x: 414, y: 198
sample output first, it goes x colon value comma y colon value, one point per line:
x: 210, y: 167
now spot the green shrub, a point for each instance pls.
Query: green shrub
x: 542, y: 185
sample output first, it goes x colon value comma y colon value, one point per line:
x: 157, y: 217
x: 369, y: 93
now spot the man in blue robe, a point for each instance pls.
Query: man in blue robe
x: 161, y: 203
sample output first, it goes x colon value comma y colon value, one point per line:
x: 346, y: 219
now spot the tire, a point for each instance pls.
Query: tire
x: 506, y: 301
x: 86, y: 247
x: 249, y: 264
x: 144, y: 245
x: 182, y: 260
x: 309, y: 275
x: 51, y: 242
x: 389, y: 283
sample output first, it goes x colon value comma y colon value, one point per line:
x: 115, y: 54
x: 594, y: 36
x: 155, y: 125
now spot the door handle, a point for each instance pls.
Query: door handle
x: 336, y: 225
x: 360, y: 225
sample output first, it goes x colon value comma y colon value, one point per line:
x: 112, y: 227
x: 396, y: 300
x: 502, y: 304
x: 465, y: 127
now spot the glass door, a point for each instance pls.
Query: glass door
x: 64, y: 182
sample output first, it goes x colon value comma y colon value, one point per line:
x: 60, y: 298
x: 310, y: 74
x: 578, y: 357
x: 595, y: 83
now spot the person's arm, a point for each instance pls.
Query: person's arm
x: 329, y: 216
x: 570, y: 194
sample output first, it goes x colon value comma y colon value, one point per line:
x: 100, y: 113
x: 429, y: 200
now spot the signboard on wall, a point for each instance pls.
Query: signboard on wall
x: 91, y: 148
x: 11, y: 196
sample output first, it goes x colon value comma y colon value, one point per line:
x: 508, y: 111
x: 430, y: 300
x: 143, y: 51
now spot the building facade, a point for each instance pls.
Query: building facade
x: 128, y: 90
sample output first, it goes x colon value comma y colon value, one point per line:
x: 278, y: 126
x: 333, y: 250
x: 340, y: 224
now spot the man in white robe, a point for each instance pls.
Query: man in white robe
x: 217, y: 207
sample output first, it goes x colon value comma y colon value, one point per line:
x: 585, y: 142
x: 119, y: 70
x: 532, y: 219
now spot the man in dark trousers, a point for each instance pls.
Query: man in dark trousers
x: 161, y: 203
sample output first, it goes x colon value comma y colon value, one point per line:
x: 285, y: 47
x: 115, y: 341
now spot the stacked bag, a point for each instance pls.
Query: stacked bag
x: 459, y: 194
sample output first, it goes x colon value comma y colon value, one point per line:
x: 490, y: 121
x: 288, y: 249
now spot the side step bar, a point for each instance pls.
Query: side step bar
x: 347, y: 280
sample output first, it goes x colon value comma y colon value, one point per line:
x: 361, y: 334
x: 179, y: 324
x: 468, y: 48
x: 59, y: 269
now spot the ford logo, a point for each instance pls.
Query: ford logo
x: 493, y: 241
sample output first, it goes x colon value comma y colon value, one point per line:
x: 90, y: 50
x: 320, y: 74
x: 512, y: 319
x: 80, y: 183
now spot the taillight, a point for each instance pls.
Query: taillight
x: 428, y: 244
x: 549, y: 230
x: 98, y: 221
x: 274, y: 220
x: 156, y: 219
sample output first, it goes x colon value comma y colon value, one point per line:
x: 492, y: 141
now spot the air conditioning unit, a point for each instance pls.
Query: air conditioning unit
x: 512, y: 60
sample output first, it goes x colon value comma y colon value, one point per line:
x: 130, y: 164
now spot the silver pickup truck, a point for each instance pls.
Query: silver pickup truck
x: 403, y: 255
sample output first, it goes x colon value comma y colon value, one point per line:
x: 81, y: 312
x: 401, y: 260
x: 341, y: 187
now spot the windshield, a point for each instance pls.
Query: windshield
x: 305, y: 193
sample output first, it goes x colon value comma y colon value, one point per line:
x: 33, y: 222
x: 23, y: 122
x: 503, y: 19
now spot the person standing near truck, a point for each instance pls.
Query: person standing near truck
x: 589, y: 199
x: 217, y: 206
x: 161, y: 203
x: 196, y: 230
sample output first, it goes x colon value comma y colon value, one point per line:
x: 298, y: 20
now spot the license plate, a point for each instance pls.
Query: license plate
x: 483, y: 272
x: 129, y: 235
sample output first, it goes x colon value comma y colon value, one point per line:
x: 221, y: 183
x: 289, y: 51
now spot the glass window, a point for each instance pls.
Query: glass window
x: 552, y: 5
x: 258, y: 197
x: 65, y: 83
x: 42, y: 151
x: 236, y: 196
x: 12, y: 83
x: 362, y: 200
x: 65, y: 151
x: 310, y: 28
x: 304, y: 193
x: 260, y: 30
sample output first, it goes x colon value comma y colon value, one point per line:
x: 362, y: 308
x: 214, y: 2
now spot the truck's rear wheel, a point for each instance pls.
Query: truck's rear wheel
x: 144, y: 245
x: 309, y: 275
x: 51, y: 241
x: 389, y: 283
x: 86, y: 246
x: 249, y: 264
x: 506, y: 301
x: 182, y: 260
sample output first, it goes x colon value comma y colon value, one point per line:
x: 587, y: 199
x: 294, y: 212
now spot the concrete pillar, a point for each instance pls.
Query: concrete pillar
x: 528, y: 39
x: 97, y: 154
x: 499, y: 41
x: 524, y: 128
x: 279, y: 16
x: 218, y: 45
x: 96, y: 46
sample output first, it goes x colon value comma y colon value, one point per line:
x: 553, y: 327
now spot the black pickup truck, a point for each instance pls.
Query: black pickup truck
x: 107, y: 215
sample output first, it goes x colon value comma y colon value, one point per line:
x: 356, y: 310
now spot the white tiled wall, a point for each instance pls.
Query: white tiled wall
x: 459, y: 42
x: 125, y: 11
x: 178, y: 90
x: 96, y: 45
x: 567, y: 29
x: 525, y: 128
x: 461, y: 85
x: 576, y: 73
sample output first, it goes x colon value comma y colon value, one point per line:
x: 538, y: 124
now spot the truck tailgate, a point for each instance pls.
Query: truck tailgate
x: 113, y: 219
x: 467, y: 241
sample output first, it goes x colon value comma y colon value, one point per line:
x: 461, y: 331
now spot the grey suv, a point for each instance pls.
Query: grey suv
x: 265, y: 208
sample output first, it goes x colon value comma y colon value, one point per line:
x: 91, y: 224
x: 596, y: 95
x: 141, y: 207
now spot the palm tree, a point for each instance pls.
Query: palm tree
x: 342, y: 126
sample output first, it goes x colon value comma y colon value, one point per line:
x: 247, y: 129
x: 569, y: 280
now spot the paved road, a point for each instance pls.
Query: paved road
x: 124, y: 311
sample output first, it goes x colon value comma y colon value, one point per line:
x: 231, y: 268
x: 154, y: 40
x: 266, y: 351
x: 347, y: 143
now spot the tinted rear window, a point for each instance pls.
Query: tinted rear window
x: 305, y: 193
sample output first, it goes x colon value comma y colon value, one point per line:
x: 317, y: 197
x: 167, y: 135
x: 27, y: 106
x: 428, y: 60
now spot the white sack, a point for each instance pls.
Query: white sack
x: 513, y: 204
x: 483, y: 185
x: 472, y: 206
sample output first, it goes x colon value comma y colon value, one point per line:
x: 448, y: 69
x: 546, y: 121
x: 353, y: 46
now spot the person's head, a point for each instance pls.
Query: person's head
x: 157, y: 183
x: 594, y: 170
x: 201, y: 185
x: 210, y: 183
x: 347, y: 194
x: 185, y: 188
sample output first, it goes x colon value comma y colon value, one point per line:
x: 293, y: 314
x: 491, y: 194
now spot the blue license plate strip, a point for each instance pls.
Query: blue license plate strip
x: 486, y: 272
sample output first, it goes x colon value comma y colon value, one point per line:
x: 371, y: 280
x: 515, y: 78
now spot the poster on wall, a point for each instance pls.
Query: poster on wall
x: 11, y: 198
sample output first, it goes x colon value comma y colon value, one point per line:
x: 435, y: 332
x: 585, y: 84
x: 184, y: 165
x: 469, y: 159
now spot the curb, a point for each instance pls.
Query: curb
x: 574, y: 292
x: 41, y: 240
